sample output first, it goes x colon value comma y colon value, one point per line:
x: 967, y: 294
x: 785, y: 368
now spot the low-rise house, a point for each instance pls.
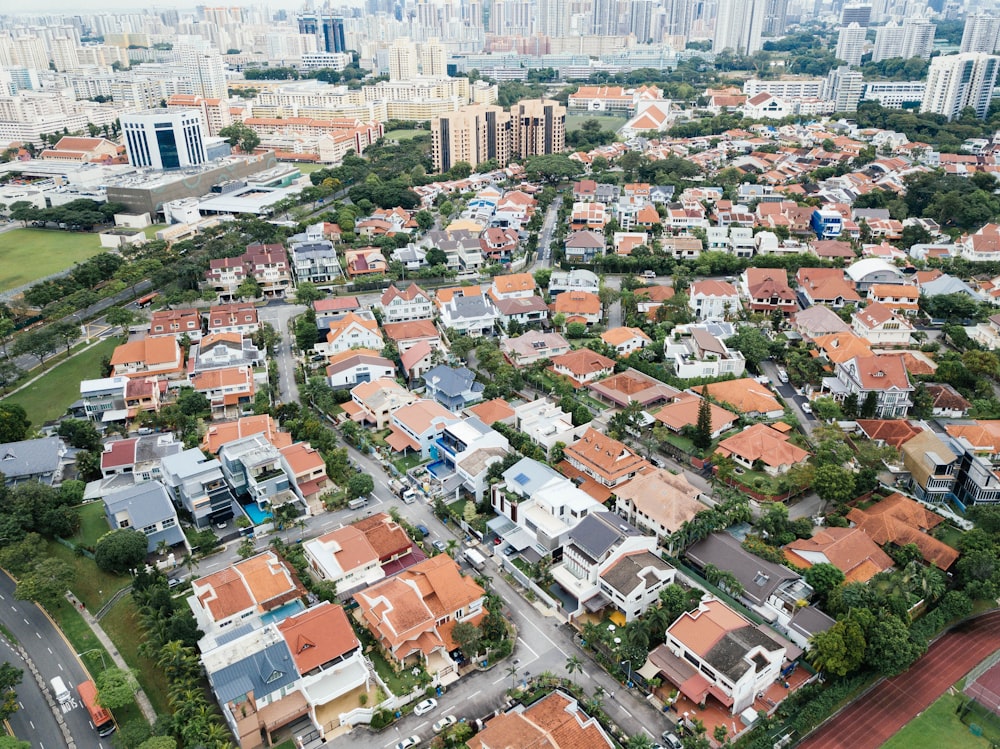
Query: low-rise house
x: 374, y: 402
x: 138, y: 457
x: 418, y: 360
x: 604, y: 459
x: 881, y: 326
x: 145, y: 507
x: 885, y: 376
x: 902, y: 298
x: 254, y: 470
x: 767, y: 289
x: 932, y: 466
x: 554, y: 722
x: 658, y: 502
x: 353, y: 330
x: 354, y: 366
x: 512, y: 286
x: 243, y: 593
x: 103, y: 399
x: 764, y: 447
x: 632, y: 386
x: 315, y: 262
x: 850, y: 550
x: 223, y: 350
x: 160, y: 356
x: 463, y: 454
x: 745, y: 396
x: 546, y: 424
x: 577, y: 279
x: 583, y: 246
x: 869, y: 271
x: 649, y: 298
x: 409, y: 303
x: 143, y: 395
x: 499, y: 245
x: 899, y: 521
x: 412, y: 614
x: 987, y: 334
x: 453, y: 387
x: 531, y: 310
x: 816, y: 321
x: 948, y: 402
x: 703, y: 352
x: 578, y: 306
x: 307, y: 468
x: 237, y: 317
x: 365, y: 262
x: 417, y: 425
x: 345, y: 558
x: 633, y: 582
x: 229, y: 390
x: 712, y: 299
x: 177, y: 323
x: 533, y: 346
x: 832, y: 249
x: 221, y: 432
x: 771, y: 590
x: 626, y: 340
x: 714, y: 654
x: 593, y: 546
x: 470, y: 315
x: 826, y: 286
x: 408, y: 334
x: 40, y: 460
x: 334, y: 308
x: 268, y: 265
x: 683, y: 412
x: 197, y: 485
x: 582, y: 365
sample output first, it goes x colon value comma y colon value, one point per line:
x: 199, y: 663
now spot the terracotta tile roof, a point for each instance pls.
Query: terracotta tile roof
x: 583, y: 362
x: 262, y: 582
x: 900, y: 520
x: 824, y: 284
x: 337, y: 304
x: 710, y: 287
x: 746, y: 395
x: 841, y: 347
x: 385, y: 535
x: 890, y: 431
x: 119, y: 453
x: 684, y: 412
x: 878, y: 372
x: 618, y: 336
x: 408, y: 294
x: 895, y: 290
x: 656, y: 293
x: 850, y: 550
x: 946, y: 397
x: 318, y: 635
x: 667, y: 498
x: 221, y: 432
x: 403, y: 331
x: 415, y: 354
x: 513, y: 282
x: 421, y: 414
x: 604, y: 456
x: 151, y: 351
x: 633, y: 385
x: 303, y: 458
x: 554, y: 722
x: 701, y: 629
x: 577, y: 303
x: 490, y: 412
x: 762, y: 442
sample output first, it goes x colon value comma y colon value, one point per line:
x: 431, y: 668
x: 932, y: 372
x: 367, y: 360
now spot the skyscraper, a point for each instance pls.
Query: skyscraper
x: 204, y: 67
x: 861, y: 14
x: 678, y: 17
x: 473, y: 134
x: 539, y: 127
x: 553, y: 17
x: 738, y: 26
x: 981, y: 34
x: 955, y: 82
x: 844, y: 88
x: 402, y: 60
x: 774, y: 17
x: 640, y: 20
x: 851, y: 43
x: 433, y: 58
x: 329, y: 31
x: 163, y: 138
x: 604, y: 21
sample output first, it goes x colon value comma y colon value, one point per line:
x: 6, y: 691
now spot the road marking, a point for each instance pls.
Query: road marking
x: 421, y: 725
x: 473, y: 695
x: 21, y: 704
x: 449, y: 709
x: 2, y: 597
x: 648, y: 732
x: 31, y: 723
x: 521, y: 639
x: 27, y: 622
x: 60, y: 666
x: 626, y: 712
x: 38, y: 636
x: 547, y: 638
x: 50, y: 651
x: 13, y: 607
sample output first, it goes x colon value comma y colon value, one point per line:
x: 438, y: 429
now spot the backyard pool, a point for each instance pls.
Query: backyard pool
x: 257, y: 516
x: 283, y: 612
x: 439, y: 469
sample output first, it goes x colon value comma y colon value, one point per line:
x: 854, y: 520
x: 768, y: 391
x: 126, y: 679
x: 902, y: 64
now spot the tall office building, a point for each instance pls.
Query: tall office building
x: 738, y: 26
x: 163, y: 138
x: 861, y: 14
x: 851, y: 43
x: 981, y: 34
x: 955, y: 82
x: 329, y: 31
x: 403, y: 60
x: 775, y: 15
x: 433, y: 58
x: 553, y: 18
x: 473, y: 134
x: 844, y: 87
x: 539, y: 127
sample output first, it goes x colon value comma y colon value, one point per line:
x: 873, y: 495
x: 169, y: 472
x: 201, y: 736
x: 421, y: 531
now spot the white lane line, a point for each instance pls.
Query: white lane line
x: 21, y: 704
x: 565, y: 654
x: 13, y: 607
x: 31, y: 723
x: 60, y: 666
x: 626, y: 712
x: 50, y: 651
x: 38, y: 635
x: 2, y: 597
x: 473, y: 695
x: 449, y: 709
x: 26, y: 622
x: 648, y: 732
x: 521, y: 640
x: 421, y: 725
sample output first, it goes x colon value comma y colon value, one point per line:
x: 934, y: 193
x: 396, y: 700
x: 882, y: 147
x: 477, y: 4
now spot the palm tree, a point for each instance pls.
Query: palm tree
x: 639, y: 741
x: 512, y: 673
x: 450, y: 548
x: 573, y: 664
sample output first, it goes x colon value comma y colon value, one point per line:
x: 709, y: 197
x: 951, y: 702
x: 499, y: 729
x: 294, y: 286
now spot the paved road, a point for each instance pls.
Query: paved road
x: 53, y: 657
x: 794, y: 401
x: 543, y: 256
x: 278, y: 314
x: 34, y: 720
x: 869, y: 722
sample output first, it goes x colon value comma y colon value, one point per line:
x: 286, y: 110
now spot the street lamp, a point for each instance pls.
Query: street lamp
x: 628, y: 680
x: 104, y: 665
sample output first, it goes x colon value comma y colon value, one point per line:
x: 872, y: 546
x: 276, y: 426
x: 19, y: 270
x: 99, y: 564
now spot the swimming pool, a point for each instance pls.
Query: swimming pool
x: 283, y: 612
x: 439, y: 469
x: 257, y: 516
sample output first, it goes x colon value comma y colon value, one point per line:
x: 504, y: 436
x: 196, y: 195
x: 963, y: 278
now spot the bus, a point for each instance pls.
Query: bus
x: 145, y: 301
x: 103, y: 720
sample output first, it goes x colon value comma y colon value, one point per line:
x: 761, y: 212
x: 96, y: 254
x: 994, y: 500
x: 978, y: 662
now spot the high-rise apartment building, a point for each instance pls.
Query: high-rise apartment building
x: 163, y: 139
x: 473, y: 134
x: 328, y: 30
x: 859, y: 13
x: 539, y: 127
x: 844, y: 88
x: 204, y: 67
x: 915, y: 38
x: 851, y: 43
x: 775, y: 17
x: 955, y: 82
x: 738, y: 26
x: 604, y: 19
x: 640, y: 20
x: 981, y: 34
x: 403, y: 60
x: 215, y: 113
x: 553, y: 17
x: 433, y: 58
x: 678, y: 17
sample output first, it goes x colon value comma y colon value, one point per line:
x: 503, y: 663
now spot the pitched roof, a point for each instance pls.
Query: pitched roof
x: 513, y: 282
x: 626, y: 574
x: 385, y: 535
x: 877, y: 372
x: 583, y: 362
x: 318, y: 635
x: 604, y: 455
x: 618, y: 336
x: 420, y: 415
x: 492, y: 411
x: 408, y: 293
x: 850, y: 550
x: 840, y: 347
x: 554, y: 722
x: 684, y: 412
x: 151, y: 351
x: 259, y: 582
x: 890, y: 431
x: 665, y: 497
x: 410, y: 329
x: 746, y: 395
x: 221, y: 432
x: 633, y: 385
x: 577, y: 303
x: 759, y: 577
x: 764, y: 443
x: 900, y: 520
x: 709, y: 287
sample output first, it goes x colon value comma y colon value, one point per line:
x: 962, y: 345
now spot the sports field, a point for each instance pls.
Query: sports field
x: 29, y: 254
x: 402, y: 135
x: 937, y: 727
x: 575, y: 121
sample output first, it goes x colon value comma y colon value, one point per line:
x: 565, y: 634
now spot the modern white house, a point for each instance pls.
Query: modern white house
x: 700, y: 351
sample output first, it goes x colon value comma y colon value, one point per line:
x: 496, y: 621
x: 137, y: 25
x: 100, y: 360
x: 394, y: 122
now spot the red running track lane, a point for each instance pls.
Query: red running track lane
x: 874, y: 718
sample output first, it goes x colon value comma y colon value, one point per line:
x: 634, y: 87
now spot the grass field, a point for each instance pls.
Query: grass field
x: 49, y: 396
x: 575, y: 121
x: 307, y: 167
x: 92, y: 586
x: 122, y: 623
x: 29, y: 254
x: 937, y: 727
x: 93, y: 524
x: 406, y: 134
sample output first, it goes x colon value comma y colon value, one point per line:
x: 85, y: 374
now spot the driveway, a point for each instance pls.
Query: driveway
x: 52, y: 656
x: 278, y: 314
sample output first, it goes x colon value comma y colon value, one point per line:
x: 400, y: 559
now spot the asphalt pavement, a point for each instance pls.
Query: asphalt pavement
x: 52, y: 656
x: 278, y: 314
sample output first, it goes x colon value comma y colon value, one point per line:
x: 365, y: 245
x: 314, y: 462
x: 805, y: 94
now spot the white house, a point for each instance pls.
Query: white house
x: 881, y: 326
x: 712, y: 299
x: 402, y: 305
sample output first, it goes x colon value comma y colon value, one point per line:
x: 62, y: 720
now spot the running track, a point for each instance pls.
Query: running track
x: 874, y: 718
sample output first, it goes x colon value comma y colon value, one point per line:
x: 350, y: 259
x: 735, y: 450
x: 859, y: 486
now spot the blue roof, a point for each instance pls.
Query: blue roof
x: 265, y: 671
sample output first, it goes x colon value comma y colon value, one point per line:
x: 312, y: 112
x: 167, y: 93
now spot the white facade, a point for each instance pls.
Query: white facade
x: 851, y: 43
x: 982, y: 33
x: 738, y: 25
x: 164, y: 139
x: 955, y: 82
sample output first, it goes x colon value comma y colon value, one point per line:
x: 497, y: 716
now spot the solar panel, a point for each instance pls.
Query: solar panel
x: 521, y: 479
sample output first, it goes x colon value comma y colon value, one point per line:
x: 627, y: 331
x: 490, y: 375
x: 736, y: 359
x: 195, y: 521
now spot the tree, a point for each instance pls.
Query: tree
x: 6, y: 331
x: 840, y: 649
x: 424, y: 219
x: 891, y: 649
x: 306, y: 332
x: 9, y: 742
x: 360, y: 485
x: 116, y: 688
x: 246, y: 548
x: 436, y: 257
x: 702, y: 438
x: 120, y: 317
x: 80, y: 433
x: 469, y: 511
x: 39, y: 344
x: 823, y: 578
x: 307, y: 293
x: 10, y: 677
x: 552, y: 168
x: 240, y: 135
x: 192, y: 403
x: 159, y: 742
x: 573, y: 665
x: 834, y: 484
x: 249, y: 289
x: 46, y: 583
x: 467, y: 637
x: 120, y: 550
x: 752, y: 343
x: 14, y: 422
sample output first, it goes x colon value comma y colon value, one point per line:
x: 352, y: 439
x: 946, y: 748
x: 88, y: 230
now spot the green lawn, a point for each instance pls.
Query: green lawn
x: 410, y: 461
x: 91, y: 585
x: 307, y: 167
x: 48, y: 398
x: 29, y: 254
x: 122, y: 623
x: 949, y: 534
x: 406, y: 134
x: 575, y: 121
x: 398, y: 684
x: 93, y: 524
x: 938, y: 727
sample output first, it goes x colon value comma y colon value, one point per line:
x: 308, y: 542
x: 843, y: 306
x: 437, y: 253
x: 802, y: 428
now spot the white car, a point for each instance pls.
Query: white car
x: 806, y: 408
x: 407, y: 743
x: 425, y: 707
x: 445, y: 722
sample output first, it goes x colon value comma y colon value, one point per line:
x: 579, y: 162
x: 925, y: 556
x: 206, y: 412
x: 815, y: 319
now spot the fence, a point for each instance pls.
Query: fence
x: 509, y: 567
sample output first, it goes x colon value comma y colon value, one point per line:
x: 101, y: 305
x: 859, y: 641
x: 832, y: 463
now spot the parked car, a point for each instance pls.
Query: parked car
x: 425, y: 707
x: 806, y: 408
x: 671, y: 741
x: 448, y: 720
x: 422, y: 529
x: 509, y: 551
x: 408, y: 742
x: 439, y: 545
x: 783, y: 376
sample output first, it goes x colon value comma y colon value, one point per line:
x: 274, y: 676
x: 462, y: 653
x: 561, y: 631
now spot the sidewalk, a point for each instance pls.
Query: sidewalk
x: 140, y: 697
